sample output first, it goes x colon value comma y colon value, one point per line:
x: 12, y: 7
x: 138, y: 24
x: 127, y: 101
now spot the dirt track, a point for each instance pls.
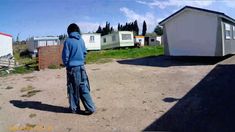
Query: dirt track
x: 129, y: 96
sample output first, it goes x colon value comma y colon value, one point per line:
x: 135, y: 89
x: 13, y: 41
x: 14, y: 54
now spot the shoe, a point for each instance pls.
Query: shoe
x: 87, y: 112
x: 74, y: 112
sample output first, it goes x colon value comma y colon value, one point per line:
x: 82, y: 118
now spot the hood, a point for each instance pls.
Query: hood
x: 75, y: 35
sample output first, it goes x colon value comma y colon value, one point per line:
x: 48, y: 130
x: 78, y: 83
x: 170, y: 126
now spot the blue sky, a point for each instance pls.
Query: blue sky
x: 51, y: 17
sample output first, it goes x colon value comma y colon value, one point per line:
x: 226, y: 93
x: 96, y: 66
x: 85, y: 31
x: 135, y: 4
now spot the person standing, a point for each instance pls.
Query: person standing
x: 73, y: 56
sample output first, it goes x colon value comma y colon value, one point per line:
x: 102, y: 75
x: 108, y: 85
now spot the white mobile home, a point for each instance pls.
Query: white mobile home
x: 5, y: 44
x: 117, y: 39
x: 139, y: 40
x: 154, y: 40
x: 194, y: 31
x: 92, y: 41
x: 34, y: 42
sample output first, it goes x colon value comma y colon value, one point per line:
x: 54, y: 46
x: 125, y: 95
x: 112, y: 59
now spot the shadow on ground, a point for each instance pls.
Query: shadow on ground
x: 167, y: 61
x: 208, y: 107
x: 39, y: 106
x: 44, y: 107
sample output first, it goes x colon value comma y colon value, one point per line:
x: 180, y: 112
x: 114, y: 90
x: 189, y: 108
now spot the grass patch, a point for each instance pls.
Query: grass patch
x: 30, y: 78
x: 30, y: 125
x: 30, y: 93
x: 26, y: 89
x: 128, y: 53
x: 22, y: 56
x: 32, y: 115
x: 53, y: 66
x: 9, y: 87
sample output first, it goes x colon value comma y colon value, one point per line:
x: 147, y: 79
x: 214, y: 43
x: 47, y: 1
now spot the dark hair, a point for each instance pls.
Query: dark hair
x: 73, y: 28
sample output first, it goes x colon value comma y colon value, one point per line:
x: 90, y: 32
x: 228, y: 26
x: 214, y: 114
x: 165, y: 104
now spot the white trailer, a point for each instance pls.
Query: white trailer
x: 92, y: 41
x: 34, y: 42
x: 117, y: 39
x: 5, y: 44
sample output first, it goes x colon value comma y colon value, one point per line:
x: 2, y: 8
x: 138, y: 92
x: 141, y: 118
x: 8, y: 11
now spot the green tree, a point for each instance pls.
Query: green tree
x: 99, y: 30
x: 144, y: 29
x: 135, y: 27
x: 158, y: 30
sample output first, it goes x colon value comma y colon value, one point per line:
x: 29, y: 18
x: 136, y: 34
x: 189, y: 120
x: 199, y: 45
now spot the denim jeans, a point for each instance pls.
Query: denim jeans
x: 78, y: 88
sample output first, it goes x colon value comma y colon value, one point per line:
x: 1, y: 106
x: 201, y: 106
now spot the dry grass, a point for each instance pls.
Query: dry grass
x: 32, y: 115
x: 28, y: 88
x: 9, y: 87
x: 30, y: 91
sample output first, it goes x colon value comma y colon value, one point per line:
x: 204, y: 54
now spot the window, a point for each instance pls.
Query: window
x: 104, y: 40
x: 113, y: 38
x: 126, y: 36
x: 233, y: 32
x: 92, y: 39
x: 227, y: 31
x: 152, y: 40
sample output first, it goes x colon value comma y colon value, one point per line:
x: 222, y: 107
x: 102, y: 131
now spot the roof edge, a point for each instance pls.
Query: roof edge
x: 1, y: 33
x: 195, y: 8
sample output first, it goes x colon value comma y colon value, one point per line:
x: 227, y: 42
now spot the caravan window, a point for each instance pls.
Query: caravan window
x: 233, y: 32
x: 126, y: 36
x: 92, y: 39
x: 227, y: 31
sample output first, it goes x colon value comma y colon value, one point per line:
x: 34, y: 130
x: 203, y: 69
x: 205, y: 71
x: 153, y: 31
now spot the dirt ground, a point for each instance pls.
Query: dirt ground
x: 129, y: 95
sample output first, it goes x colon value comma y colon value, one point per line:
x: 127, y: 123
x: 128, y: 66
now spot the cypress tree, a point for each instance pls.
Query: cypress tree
x: 144, y: 28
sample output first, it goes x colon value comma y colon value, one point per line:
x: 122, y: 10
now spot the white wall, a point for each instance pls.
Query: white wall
x: 153, y: 41
x: 5, y: 45
x: 159, y: 39
x: 92, y: 45
x: 192, y: 33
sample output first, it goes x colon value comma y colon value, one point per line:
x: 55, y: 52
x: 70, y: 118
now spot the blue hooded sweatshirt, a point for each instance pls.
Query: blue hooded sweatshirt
x: 74, y: 51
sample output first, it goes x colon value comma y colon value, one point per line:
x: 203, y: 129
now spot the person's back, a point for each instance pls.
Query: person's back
x: 75, y: 50
x: 73, y: 55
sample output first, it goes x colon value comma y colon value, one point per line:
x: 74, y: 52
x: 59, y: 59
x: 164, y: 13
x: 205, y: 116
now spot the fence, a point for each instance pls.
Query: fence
x: 49, y: 56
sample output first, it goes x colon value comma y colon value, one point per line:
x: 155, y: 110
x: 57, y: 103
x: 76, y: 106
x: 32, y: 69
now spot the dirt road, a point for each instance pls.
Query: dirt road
x: 129, y: 96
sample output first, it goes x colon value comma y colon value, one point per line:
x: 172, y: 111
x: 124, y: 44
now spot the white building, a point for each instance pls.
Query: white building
x: 5, y: 44
x: 117, y: 39
x: 139, y: 40
x: 34, y: 42
x: 194, y: 31
x: 154, y: 40
x: 92, y: 41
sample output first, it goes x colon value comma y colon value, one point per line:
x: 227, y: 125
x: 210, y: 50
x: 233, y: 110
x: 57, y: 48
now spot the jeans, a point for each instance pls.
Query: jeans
x: 78, y: 88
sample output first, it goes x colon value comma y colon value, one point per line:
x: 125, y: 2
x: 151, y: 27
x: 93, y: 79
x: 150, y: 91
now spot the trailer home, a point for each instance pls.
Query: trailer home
x: 139, y: 40
x: 117, y: 39
x: 5, y: 44
x: 34, y: 42
x: 92, y: 41
x: 194, y: 31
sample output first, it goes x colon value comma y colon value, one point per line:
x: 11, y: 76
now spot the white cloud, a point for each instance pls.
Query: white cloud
x: 178, y: 3
x: 230, y: 3
x: 148, y: 17
x: 86, y: 27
